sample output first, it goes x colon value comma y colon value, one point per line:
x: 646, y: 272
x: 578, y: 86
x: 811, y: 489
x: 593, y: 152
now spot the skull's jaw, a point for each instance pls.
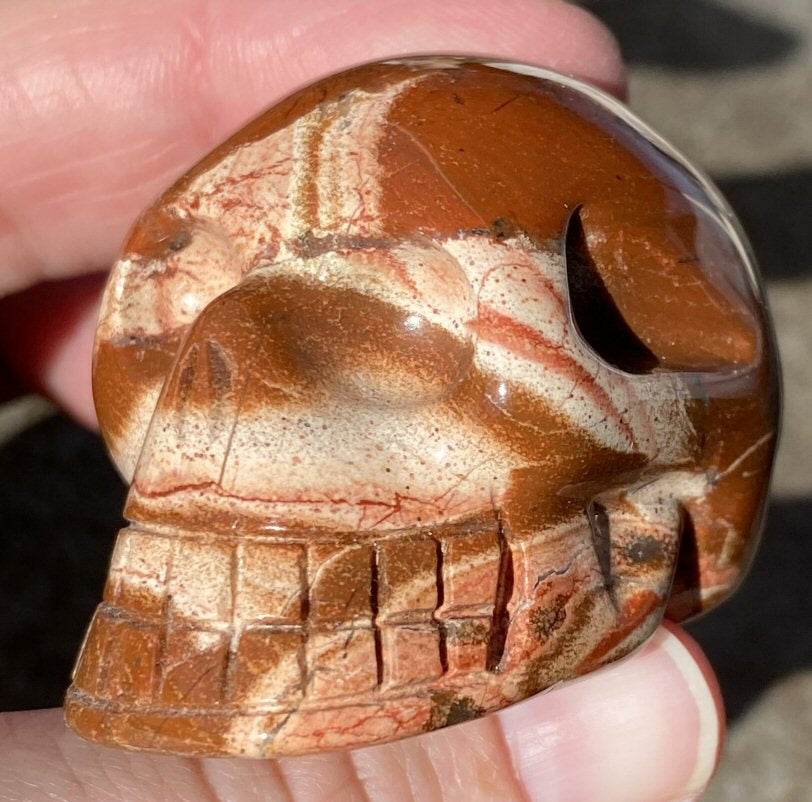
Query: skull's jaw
x: 264, y: 646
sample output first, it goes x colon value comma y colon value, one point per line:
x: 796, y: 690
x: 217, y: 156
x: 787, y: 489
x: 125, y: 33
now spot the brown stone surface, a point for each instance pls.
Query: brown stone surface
x: 426, y: 381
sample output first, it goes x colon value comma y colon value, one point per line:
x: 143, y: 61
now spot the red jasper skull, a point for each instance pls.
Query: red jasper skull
x: 429, y: 382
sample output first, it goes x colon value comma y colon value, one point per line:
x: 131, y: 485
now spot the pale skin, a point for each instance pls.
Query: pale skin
x: 104, y: 103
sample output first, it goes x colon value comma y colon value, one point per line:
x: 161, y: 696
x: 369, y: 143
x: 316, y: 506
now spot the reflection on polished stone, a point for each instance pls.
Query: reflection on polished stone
x: 439, y: 383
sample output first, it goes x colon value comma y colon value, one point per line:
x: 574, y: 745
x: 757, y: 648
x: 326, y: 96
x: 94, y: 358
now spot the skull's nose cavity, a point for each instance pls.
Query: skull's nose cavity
x: 594, y: 313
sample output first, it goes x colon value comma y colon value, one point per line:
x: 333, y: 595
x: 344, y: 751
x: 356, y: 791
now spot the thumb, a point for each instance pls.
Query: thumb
x: 648, y: 729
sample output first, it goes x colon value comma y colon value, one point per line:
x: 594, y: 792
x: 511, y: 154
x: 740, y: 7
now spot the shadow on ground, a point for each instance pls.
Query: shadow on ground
x: 61, y: 510
x: 693, y: 34
x: 762, y: 634
x: 775, y: 210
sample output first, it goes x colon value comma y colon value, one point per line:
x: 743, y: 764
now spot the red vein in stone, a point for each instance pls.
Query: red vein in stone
x: 498, y: 328
x: 394, y: 506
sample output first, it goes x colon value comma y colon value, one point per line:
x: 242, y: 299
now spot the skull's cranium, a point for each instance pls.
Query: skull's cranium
x: 428, y: 382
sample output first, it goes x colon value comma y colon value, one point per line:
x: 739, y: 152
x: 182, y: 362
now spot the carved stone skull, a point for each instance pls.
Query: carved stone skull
x: 429, y: 383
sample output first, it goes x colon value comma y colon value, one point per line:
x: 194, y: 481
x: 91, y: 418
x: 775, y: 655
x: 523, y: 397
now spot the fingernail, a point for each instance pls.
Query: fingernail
x: 645, y: 729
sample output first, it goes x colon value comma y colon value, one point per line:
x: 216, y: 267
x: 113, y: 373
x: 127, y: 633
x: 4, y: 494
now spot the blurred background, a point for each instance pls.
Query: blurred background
x: 729, y: 82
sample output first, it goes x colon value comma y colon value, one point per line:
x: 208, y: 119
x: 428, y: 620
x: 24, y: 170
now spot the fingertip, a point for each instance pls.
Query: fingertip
x: 554, y: 34
x: 700, y: 676
x: 645, y: 728
x: 66, y: 377
x: 586, y: 38
x: 46, y: 338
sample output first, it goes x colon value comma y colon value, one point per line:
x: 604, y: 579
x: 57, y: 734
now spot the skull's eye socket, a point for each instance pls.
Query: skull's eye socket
x: 594, y: 312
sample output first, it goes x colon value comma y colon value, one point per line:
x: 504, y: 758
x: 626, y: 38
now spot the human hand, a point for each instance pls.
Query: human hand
x: 105, y: 104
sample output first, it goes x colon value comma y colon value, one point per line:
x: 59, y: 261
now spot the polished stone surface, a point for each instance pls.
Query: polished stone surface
x: 425, y: 380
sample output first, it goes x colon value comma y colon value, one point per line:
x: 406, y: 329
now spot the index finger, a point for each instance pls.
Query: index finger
x: 105, y: 103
